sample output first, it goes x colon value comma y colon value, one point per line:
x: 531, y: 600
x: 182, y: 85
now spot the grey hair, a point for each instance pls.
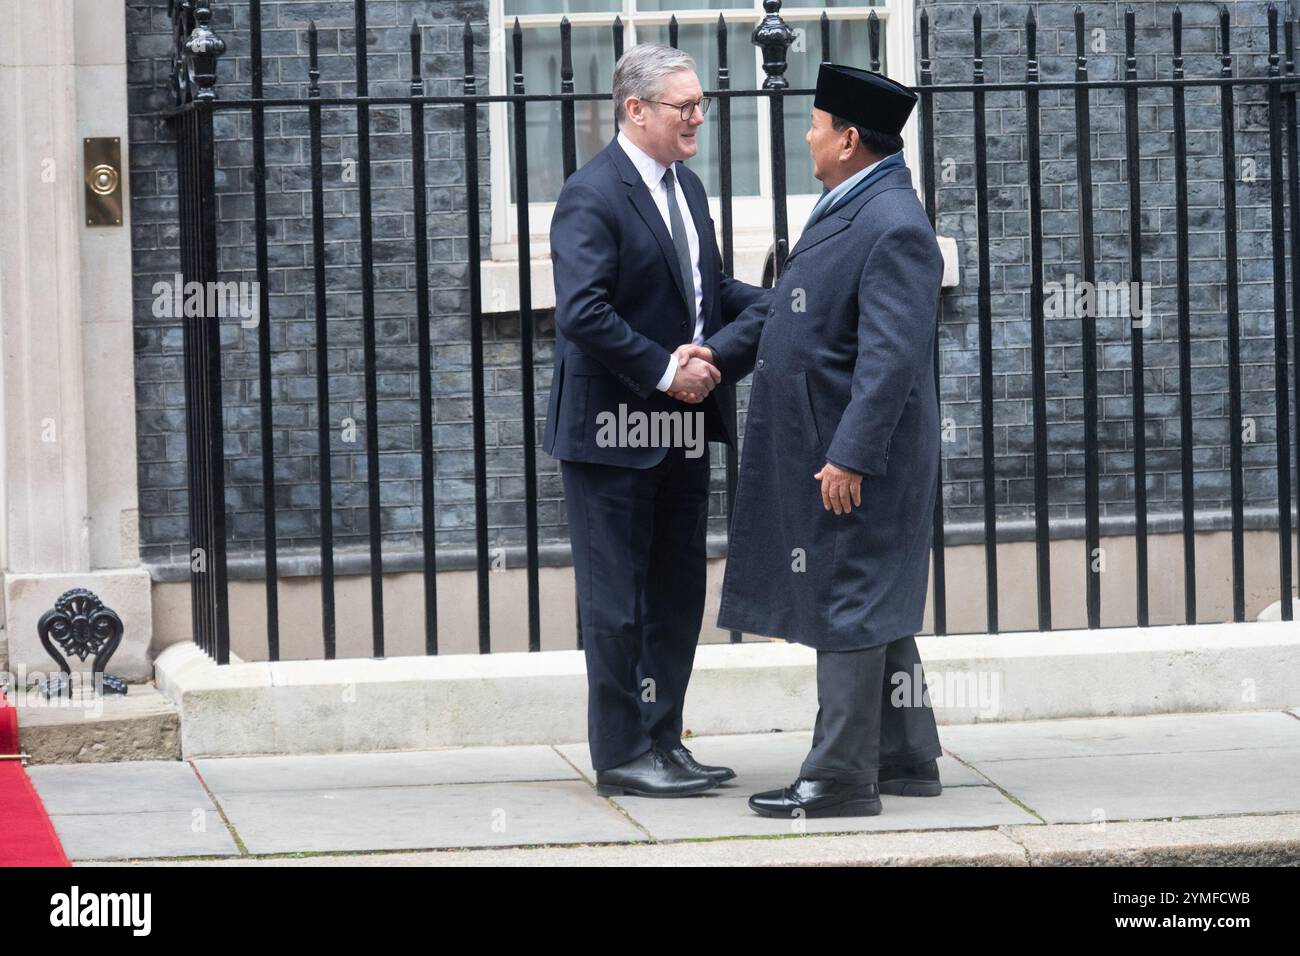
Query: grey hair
x: 641, y: 72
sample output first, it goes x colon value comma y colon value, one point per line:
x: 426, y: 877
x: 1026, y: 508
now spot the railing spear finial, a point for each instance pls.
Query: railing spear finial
x: 1178, y: 42
x: 467, y: 40
x: 1288, y: 34
x: 873, y: 40
x: 1273, y: 57
x: 1130, y: 43
x: 313, y: 60
x: 1080, y: 55
x: 926, y: 75
x: 724, y: 71
x: 417, y: 81
x: 1031, y: 47
x: 1225, y: 39
x: 517, y: 43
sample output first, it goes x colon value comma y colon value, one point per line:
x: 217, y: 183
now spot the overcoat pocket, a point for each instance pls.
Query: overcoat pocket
x: 803, y: 398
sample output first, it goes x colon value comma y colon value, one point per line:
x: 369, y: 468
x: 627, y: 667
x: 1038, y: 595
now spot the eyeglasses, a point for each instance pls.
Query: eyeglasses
x: 688, y: 109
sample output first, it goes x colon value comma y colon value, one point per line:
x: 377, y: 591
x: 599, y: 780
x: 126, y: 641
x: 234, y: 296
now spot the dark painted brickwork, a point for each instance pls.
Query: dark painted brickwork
x: 158, y: 341
x: 1008, y: 198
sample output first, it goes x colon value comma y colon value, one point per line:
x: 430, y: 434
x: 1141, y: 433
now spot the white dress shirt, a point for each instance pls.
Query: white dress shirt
x: 652, y: 172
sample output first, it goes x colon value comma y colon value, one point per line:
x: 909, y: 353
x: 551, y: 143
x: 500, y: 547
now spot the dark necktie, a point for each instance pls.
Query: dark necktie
x: 681, y: 244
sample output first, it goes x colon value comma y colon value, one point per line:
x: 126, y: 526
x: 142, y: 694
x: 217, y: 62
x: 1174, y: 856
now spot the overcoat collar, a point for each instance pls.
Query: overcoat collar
x: 840, y: 219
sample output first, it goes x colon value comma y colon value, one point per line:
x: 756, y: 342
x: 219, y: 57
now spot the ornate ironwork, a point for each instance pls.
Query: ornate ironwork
x: 80, y: 625
x: 182, y: 17
x: 195, y: 49
x: 773, y: 36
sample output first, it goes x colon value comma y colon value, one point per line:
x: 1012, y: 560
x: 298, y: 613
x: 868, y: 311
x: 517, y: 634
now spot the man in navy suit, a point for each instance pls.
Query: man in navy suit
x: 637, y: 278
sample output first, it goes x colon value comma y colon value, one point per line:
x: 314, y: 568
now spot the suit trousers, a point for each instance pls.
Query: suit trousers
x: 873, y: 711
x: 639, y: 563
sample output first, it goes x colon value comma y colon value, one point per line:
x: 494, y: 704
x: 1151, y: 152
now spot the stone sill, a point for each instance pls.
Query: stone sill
x: 500, y: 274
x: 416, y: 703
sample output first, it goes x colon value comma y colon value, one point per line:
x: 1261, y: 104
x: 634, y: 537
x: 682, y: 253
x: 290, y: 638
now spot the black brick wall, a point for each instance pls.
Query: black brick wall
x: 1008, y: 197
x: 159, y: 370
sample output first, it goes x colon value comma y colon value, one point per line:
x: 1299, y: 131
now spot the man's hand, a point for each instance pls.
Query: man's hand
x: 696, y: 375
x: 689, y: 350
x: 841, y: 488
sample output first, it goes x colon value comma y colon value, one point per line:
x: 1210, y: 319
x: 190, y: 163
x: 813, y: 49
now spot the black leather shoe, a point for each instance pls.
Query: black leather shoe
x: 916, y: 780
x: 651, y: 775
x: 686, y: 760
x: 818, y: 798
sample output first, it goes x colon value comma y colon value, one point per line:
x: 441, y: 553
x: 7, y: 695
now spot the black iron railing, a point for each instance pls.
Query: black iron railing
x: 197, y: 49
x: 1281, y: 89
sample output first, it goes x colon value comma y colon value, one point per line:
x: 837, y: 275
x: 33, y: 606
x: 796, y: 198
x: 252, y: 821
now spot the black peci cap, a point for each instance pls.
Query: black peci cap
x: 870, y: 100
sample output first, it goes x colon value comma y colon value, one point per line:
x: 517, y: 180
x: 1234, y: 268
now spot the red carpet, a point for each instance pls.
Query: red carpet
x: 27, y: 837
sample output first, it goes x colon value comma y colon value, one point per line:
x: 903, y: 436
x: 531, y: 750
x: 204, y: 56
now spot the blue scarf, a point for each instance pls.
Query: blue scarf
x: 887, y: 165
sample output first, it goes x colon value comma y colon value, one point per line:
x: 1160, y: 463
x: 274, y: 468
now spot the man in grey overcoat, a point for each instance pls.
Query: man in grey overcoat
x: 830, y: 536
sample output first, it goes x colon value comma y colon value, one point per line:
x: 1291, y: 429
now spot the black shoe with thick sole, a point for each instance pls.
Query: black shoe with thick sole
x: 652, y: 774
x: 917, y: 780
x: 818, y: 798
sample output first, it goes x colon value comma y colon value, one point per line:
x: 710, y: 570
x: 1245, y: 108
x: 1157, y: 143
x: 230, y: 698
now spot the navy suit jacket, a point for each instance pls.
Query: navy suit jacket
x: 621, y: 308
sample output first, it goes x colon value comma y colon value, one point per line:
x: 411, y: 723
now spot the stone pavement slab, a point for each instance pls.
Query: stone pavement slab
x: 755, y: 756
x: 165, y: 833
x: 129, y: 787
x: 1120, y: 768
x: 1096, y: 736
x: 1150, y: 786
x: 454, y: 815
x: 231, y: 775
x: 136, y: 808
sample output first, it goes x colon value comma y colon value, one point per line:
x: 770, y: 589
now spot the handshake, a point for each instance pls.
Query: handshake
x: 696, y: 374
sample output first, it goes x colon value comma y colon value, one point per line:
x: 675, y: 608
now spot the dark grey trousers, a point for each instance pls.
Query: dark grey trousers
x: 872, y: 711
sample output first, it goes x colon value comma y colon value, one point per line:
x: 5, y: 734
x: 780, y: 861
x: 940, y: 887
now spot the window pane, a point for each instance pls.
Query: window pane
x: 657, y: 5
x: 524, y: 7
x: 701, y: 42
x: 849, y: 45
x: 593, y: 69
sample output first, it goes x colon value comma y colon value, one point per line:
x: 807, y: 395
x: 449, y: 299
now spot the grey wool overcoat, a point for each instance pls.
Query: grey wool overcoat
x: 843, y: 371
